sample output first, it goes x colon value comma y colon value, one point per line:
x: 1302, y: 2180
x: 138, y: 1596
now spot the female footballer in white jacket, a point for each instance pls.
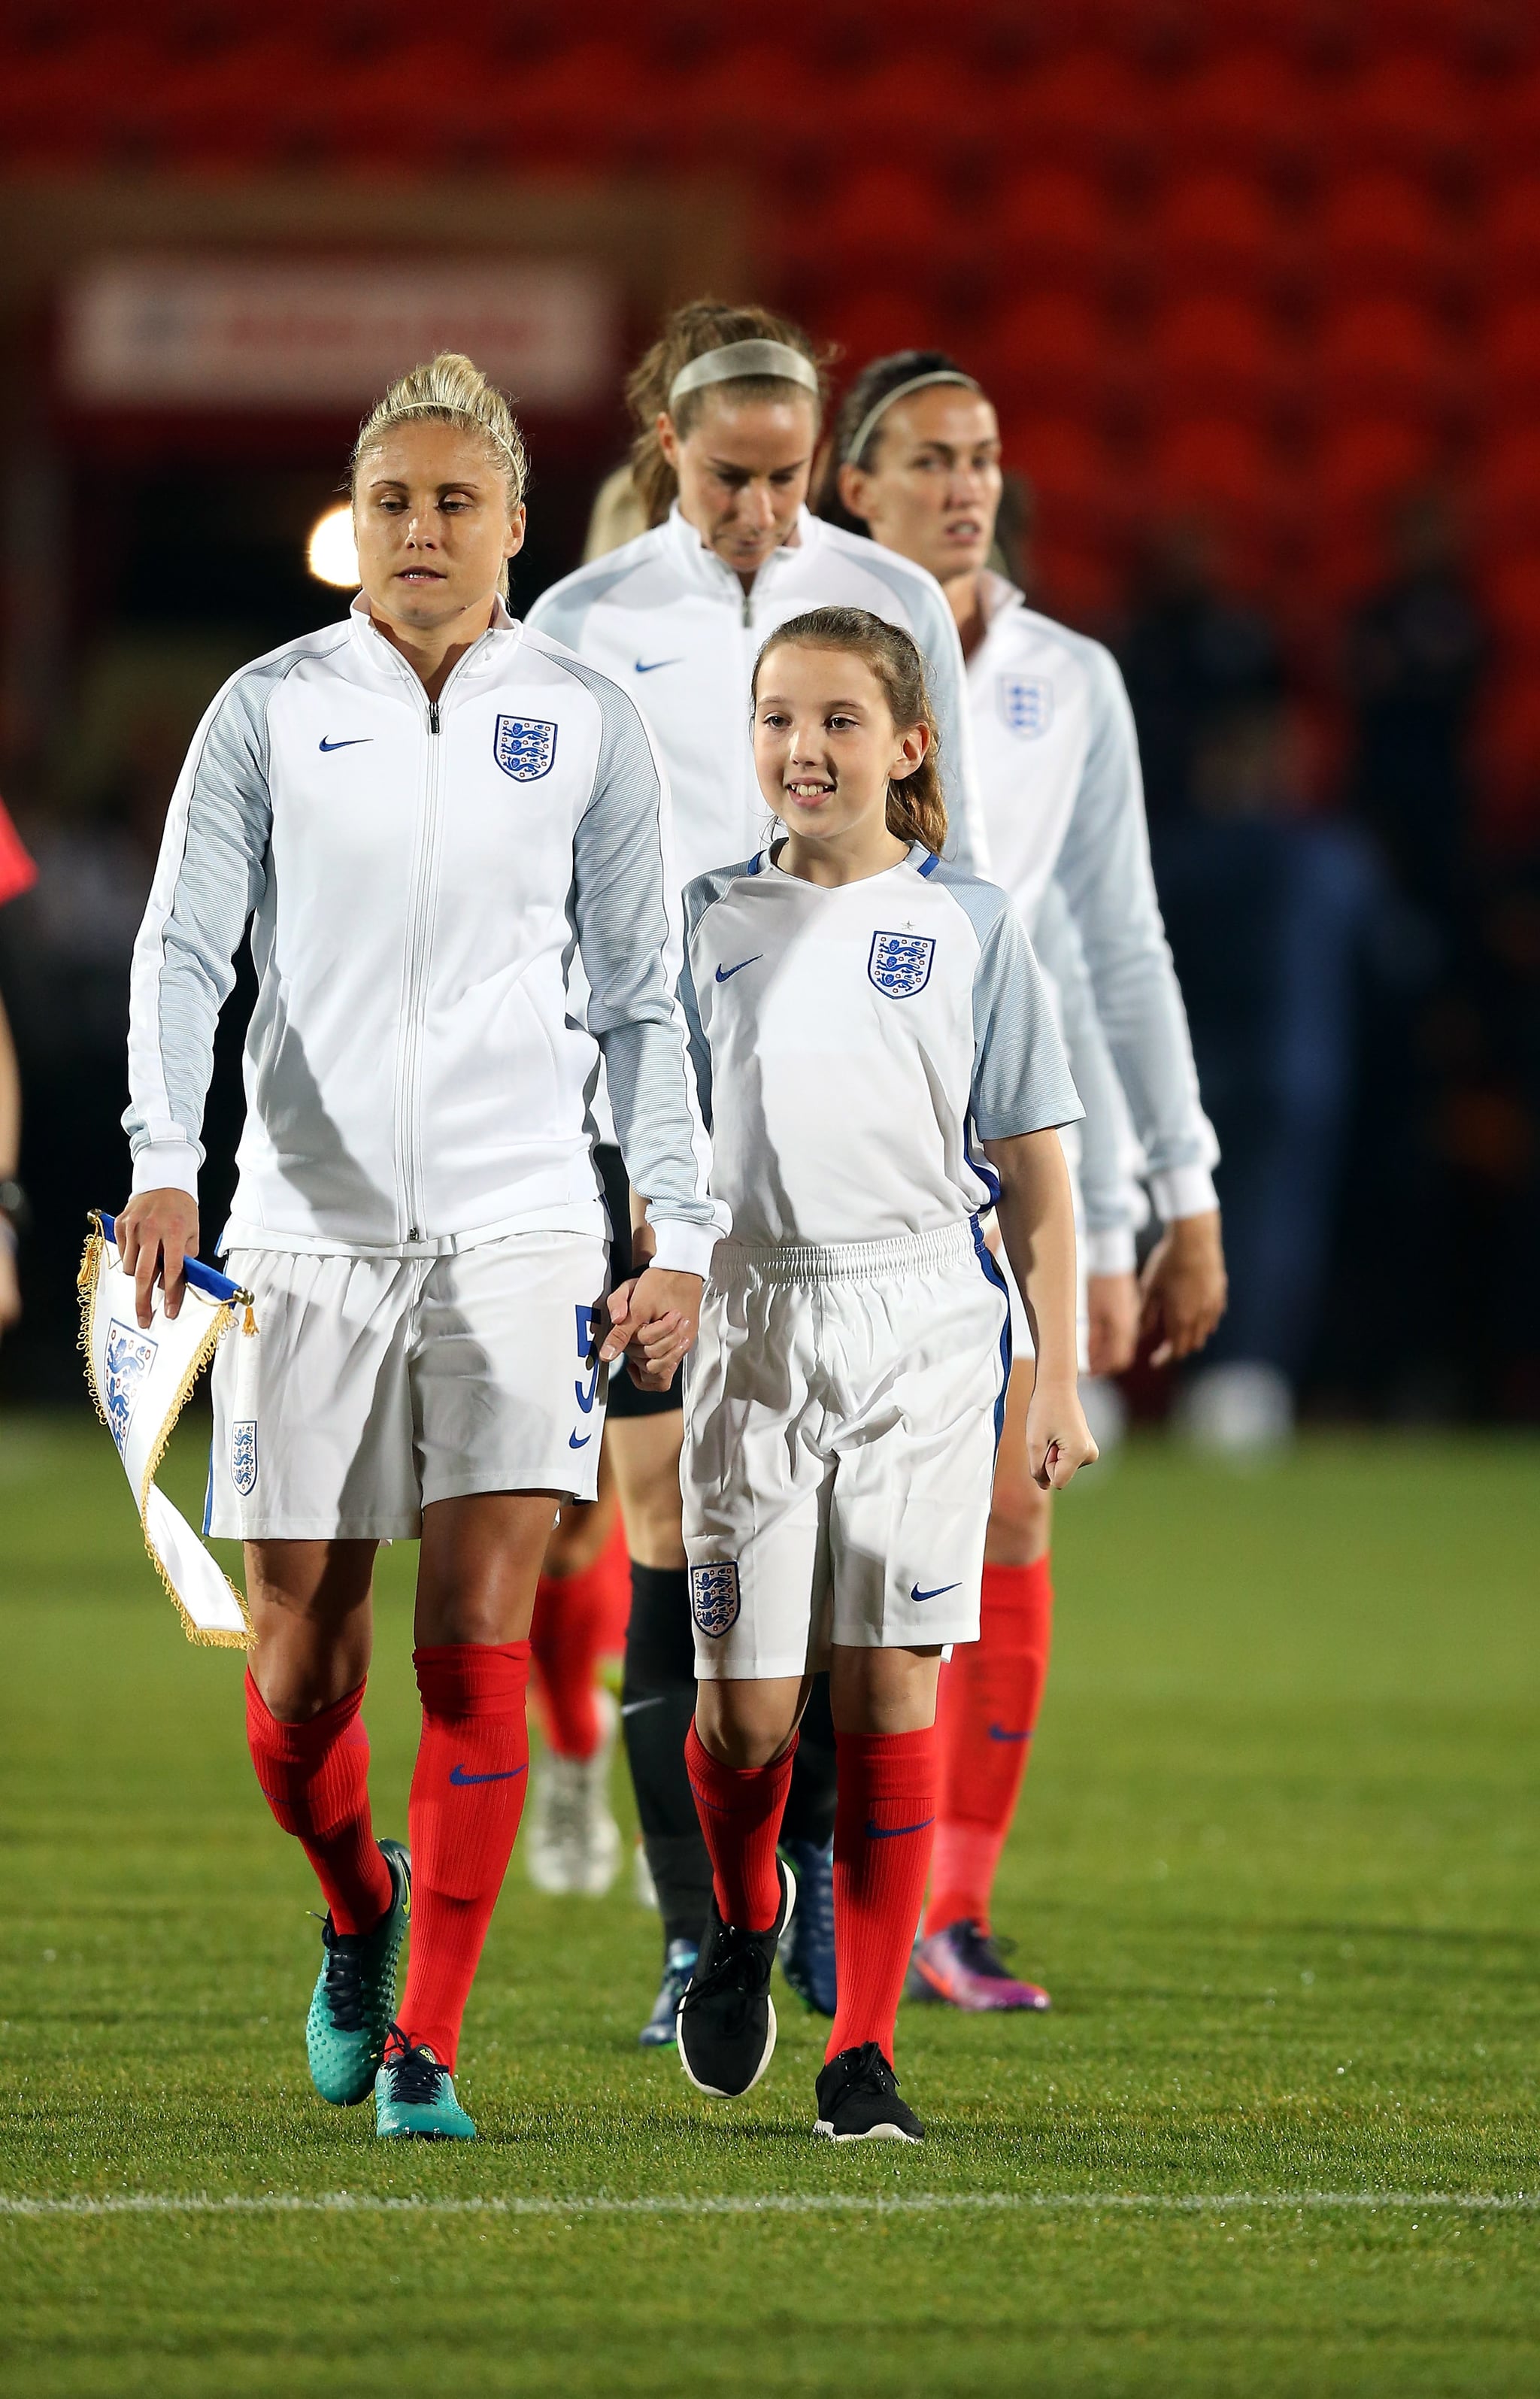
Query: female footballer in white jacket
x: 879, y: 1062
x: 916, y: 461
x: 728, y: 406
x: 416, y: 810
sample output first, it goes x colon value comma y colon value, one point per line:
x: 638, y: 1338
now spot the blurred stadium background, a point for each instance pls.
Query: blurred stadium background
x: 1256, y: 285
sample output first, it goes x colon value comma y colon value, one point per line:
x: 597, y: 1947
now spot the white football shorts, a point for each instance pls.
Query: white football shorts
x: 842, y: 1411
x: 375, y: 1386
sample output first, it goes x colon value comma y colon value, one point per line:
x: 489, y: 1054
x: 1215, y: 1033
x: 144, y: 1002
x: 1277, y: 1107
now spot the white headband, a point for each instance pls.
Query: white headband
x: 902, y: 391
x: 737, y: 360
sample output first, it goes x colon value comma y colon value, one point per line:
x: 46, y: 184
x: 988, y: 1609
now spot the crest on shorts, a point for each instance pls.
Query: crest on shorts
x: 714, y: 1597
x: 524, y: 747
x: 243, y: 1456
x: 899, y: 963
x: 1026, y: 705
x: 125, y: 1365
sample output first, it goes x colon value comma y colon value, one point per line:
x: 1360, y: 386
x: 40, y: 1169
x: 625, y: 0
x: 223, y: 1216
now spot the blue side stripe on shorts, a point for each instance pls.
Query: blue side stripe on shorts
x: 992, y: 1270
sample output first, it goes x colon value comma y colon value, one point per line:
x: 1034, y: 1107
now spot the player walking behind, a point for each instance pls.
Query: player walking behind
x: 727, y: 405
x: 876, y: 1053
x: 917, y: 464
x: 417, y: 808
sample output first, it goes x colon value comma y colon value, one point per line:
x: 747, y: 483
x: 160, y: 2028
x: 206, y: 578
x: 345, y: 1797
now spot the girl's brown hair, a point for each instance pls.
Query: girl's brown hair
x: 916, y: 807
x: 703, y: 325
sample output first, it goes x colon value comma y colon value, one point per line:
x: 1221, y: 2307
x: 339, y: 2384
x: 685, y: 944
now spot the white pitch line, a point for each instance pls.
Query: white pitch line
x: 941, y: 2203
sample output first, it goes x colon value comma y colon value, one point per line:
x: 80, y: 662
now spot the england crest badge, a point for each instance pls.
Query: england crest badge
x: 1026, y: 705
x: 899, y: 963
x: 243, y: 1456
x: 714, y: 1597
x: 524, y: 747
x: 125, y: 1362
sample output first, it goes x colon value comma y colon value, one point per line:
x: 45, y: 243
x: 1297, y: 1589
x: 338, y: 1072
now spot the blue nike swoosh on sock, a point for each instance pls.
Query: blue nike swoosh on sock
x: 457, y: 1775
x: 998, y: 1732
x: 894, y: 1831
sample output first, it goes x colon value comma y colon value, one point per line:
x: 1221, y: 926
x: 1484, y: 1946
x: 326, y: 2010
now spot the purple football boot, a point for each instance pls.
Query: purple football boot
x: 964, y: 1966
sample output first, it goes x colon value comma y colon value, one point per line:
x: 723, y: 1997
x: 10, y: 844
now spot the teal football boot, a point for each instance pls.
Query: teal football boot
x: 415, y: 2096
x: 355, y: 1996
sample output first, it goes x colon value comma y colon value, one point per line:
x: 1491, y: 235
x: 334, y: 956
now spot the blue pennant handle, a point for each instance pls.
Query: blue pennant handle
x: 202, y: 1277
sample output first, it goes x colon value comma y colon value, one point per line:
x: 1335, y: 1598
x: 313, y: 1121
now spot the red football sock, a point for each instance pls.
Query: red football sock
x: 986, y: 1714
x: 740, y: 1808
x: 883, y: 1818
x: 571, y: 1614
x: 614, y: 1572
x: 315, y: 1777
x: 467, y: 1794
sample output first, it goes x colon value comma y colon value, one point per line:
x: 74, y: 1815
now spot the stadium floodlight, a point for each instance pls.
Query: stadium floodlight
x: 331, y: 554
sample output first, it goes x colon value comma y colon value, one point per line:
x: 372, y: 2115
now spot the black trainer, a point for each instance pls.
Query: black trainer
x: 726, y: 2021
x: 859, y: 2099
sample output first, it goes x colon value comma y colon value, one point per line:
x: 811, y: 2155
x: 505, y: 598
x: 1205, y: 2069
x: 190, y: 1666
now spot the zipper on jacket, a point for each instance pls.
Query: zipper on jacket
x: 419, y: 941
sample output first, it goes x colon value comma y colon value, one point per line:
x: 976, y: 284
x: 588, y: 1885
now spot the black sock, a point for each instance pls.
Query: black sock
x: 810, y: 1802
x: 657, y: 1700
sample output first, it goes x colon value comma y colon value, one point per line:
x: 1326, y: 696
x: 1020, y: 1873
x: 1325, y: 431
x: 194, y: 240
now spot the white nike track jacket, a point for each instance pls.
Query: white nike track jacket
x: 1065, y: 803
x: 454, y: 909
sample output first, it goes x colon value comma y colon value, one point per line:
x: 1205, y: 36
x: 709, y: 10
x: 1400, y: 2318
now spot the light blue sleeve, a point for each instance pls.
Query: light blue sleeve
x: 627, y: 930
x: 1022, y: 1080
x: 210, y: 874
x: 1104, y: 870
x: 1111, y: 1207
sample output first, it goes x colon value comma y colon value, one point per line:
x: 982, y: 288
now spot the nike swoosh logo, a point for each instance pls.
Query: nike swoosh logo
x: 998, y: 1732
x: 650, y: 666
x: 917, y: 1594
x: 725, y: 974
x: 458, y: 1776
x: 356, y: 743
x: 895, y: 1832
x: 572, y: 1441
x: 634, y: 1707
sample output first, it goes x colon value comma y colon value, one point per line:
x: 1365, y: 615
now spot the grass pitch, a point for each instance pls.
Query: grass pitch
x: 1278, y: 1862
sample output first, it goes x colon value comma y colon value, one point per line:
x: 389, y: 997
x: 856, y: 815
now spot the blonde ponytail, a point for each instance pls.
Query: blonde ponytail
x: 451, y: 389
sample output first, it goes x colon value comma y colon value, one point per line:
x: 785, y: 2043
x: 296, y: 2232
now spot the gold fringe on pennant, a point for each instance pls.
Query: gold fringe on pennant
x: 88, y: 1285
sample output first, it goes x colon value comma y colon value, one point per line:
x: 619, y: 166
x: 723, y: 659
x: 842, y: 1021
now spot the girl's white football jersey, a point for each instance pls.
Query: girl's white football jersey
x: 856, y: 1048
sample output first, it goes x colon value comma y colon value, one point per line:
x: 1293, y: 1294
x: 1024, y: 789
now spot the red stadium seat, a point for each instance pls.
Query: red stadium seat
x: 886, y: 220
x: 1409, y: 110
x: 1383, y: 352
x: 1511, y: 589
x: 729, y: 109
x: 1052, y: 225
x: 1508, y: 476
x: 1380, y: 231
x: 1362, y: 462
x: 1214, y: 462
x: 1510, y: 233
x: 875, y: 322
x: 1511, y: 354
x: 912, y: 105
x: 595, y: 104
x: 1511, y: 123
x: 1249, y: 109
x: 1077, y: 476
x: 1217, y: 227
x: 1049, y: 350
x: 1214, y: 349
x: 1086, y: 109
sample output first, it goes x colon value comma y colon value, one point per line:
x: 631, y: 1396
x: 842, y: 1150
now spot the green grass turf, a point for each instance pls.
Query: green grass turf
x: 1278, y: 1863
